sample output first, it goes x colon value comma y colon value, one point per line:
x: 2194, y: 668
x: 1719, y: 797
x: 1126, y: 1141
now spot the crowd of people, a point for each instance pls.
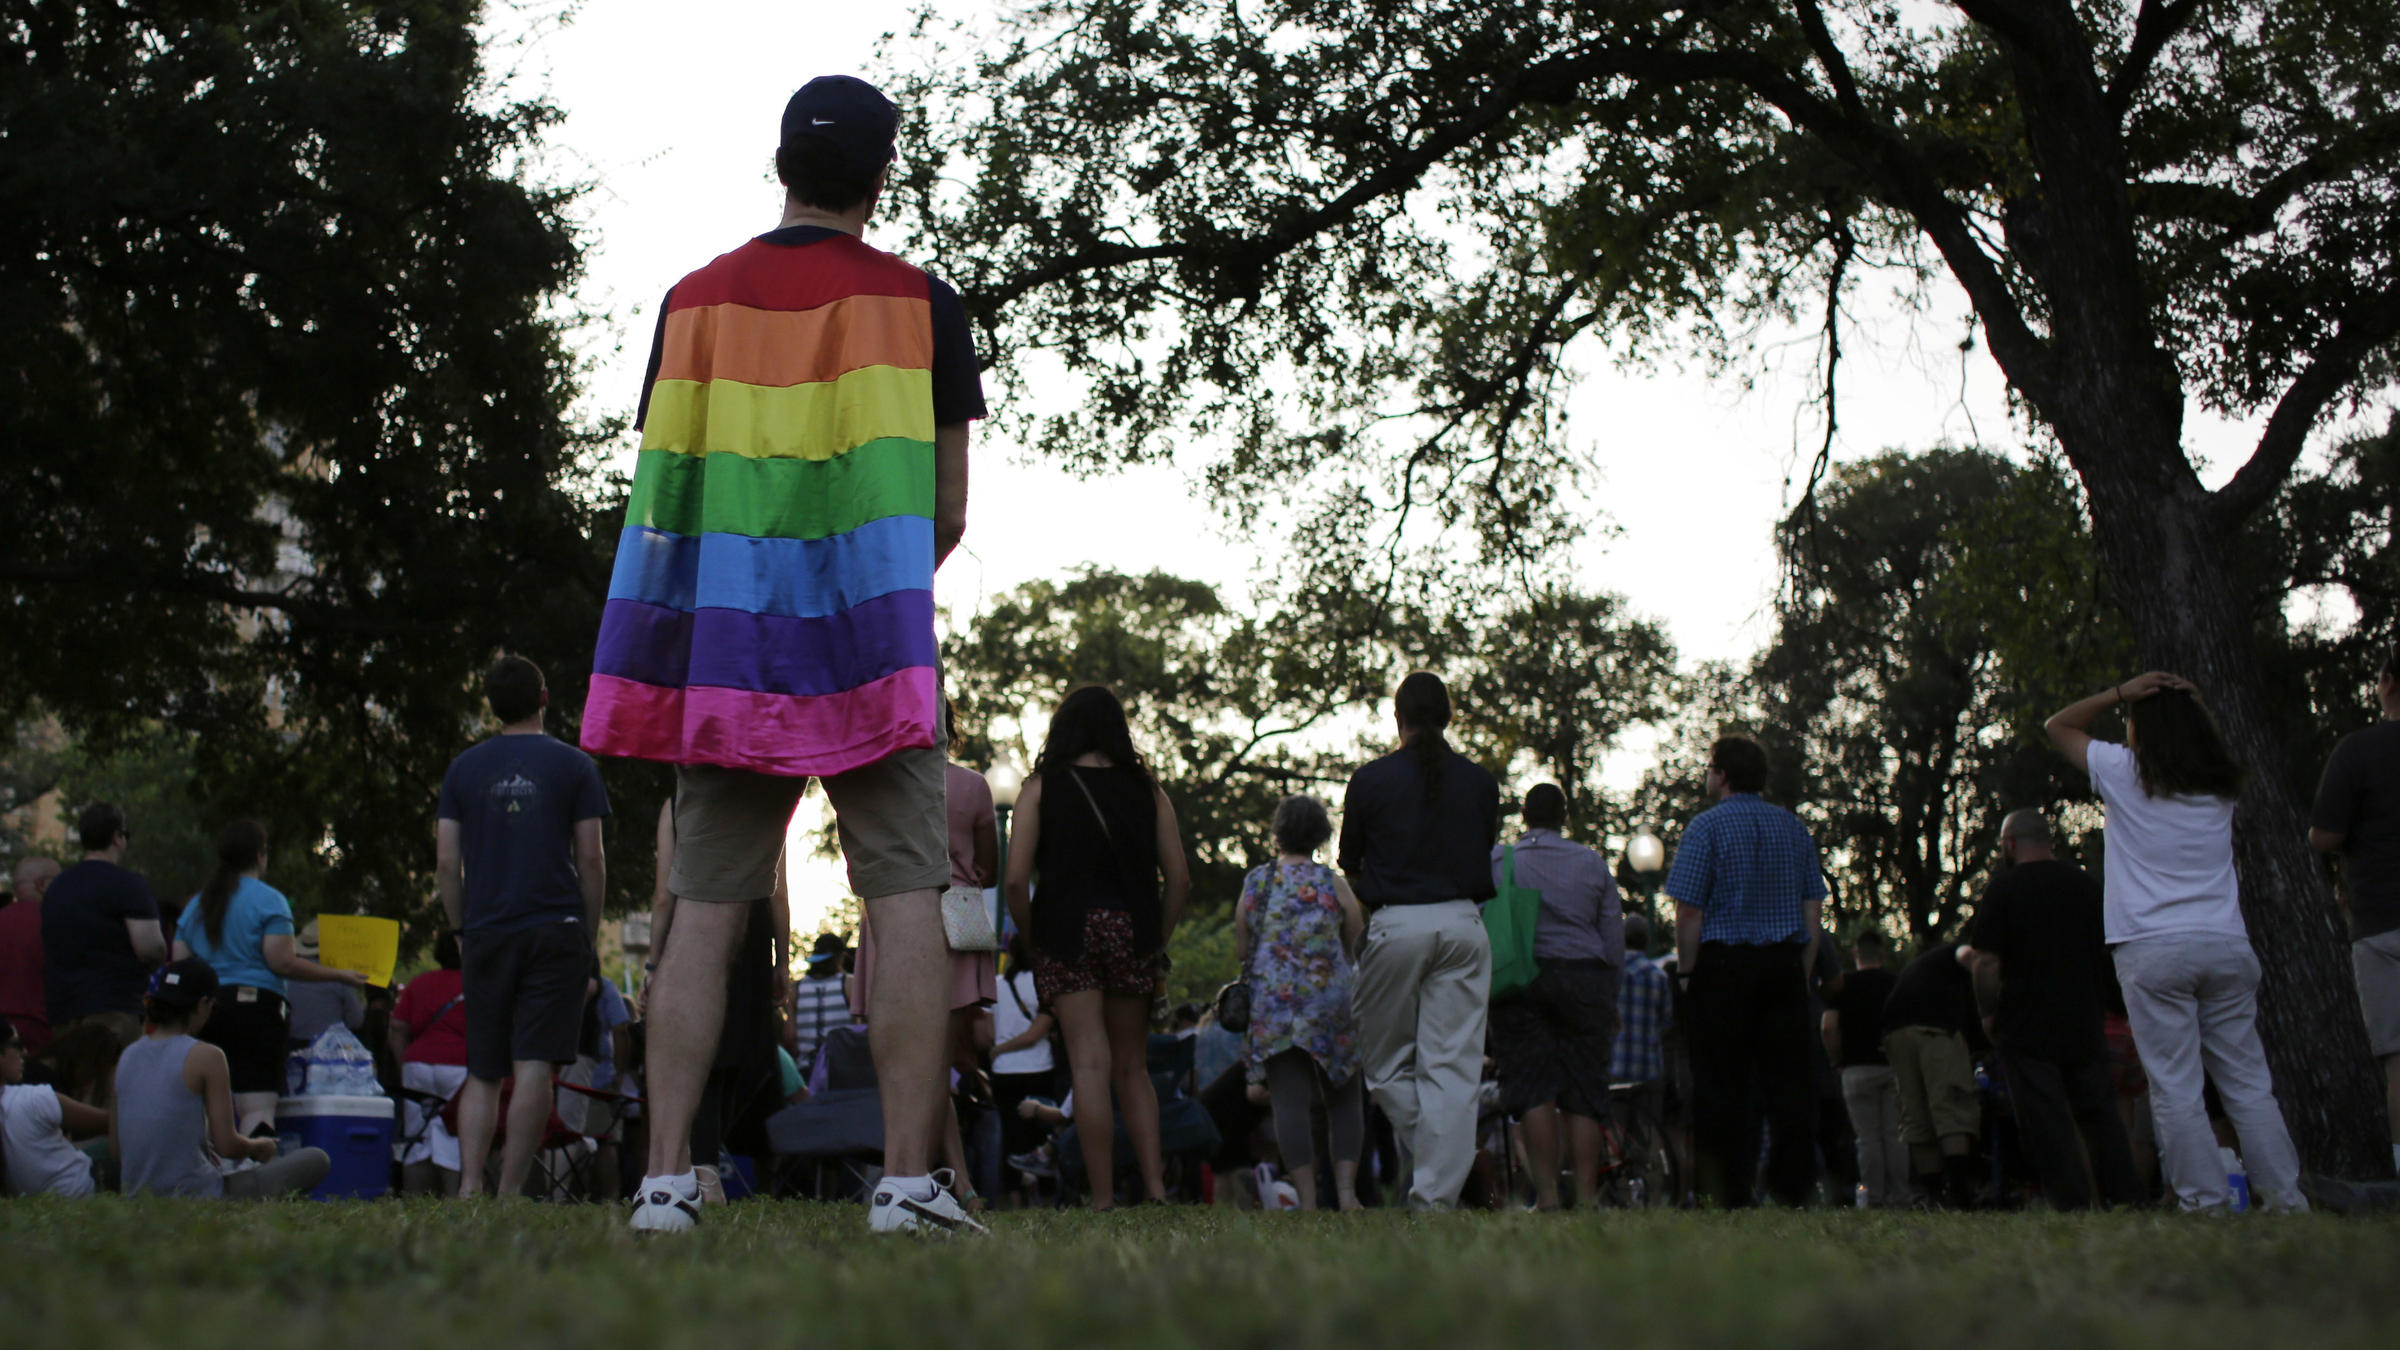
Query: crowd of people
x: 770, y: 625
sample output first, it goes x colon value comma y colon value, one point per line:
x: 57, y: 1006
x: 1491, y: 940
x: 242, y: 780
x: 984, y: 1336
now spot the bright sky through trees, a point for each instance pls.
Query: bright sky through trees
x: 674, y: 126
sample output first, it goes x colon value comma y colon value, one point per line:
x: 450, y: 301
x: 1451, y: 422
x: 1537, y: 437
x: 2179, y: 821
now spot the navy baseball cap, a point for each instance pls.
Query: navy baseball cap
x: 849, y: 114
x: 182, y: 984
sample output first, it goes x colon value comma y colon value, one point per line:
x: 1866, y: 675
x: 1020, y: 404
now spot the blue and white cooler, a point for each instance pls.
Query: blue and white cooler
x: 356, y: 1132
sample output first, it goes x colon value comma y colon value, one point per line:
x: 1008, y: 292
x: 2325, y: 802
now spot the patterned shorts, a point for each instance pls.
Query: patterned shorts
x: 1108, y: 963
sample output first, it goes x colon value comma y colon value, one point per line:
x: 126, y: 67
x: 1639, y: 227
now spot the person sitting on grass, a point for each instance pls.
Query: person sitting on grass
x: 36, y: 1156
x: 173, y: 1120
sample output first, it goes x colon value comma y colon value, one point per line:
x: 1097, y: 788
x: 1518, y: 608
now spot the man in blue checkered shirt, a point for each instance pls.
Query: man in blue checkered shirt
x: 1747, y: 893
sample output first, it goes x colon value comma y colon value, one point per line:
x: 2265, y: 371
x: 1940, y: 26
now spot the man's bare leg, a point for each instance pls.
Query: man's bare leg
x: 478, y: 1115
x: 686, y: 1013
x: 528, y: 1120
x: 908, y: 1025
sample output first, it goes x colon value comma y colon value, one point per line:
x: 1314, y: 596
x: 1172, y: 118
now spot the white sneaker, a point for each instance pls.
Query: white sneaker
x: 893, y: 1210
x: 662, y: 1209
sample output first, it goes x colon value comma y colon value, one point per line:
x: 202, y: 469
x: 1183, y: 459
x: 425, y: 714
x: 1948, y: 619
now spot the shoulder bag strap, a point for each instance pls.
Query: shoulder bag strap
x: 1097, y: 813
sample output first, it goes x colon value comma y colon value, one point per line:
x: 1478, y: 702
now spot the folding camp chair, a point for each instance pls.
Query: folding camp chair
x: 842, y: 1126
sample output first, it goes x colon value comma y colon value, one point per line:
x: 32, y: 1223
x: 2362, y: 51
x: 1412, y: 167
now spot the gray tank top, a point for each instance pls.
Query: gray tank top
x: 162, y: 1126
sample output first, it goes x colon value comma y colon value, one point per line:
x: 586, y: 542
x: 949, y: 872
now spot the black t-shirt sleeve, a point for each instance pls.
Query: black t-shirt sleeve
x: 1348, y: 853
x: 591, y: 795
x: 957, y: 380
x: 133, y: 899
x: 1989, y: 931
x: 658, y: 349
x: 2337, y: 792
x: 449, y: 806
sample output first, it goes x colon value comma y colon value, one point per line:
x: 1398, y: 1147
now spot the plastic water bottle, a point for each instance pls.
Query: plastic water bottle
x: 338, y: 1065
x: 2237, y: 1178
x: 1636, y: 1194
x: 1860, y: 1199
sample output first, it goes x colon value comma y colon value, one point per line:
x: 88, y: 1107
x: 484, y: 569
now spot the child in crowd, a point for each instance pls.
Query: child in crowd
x: 36, y: 1156
x: 173, y: 1117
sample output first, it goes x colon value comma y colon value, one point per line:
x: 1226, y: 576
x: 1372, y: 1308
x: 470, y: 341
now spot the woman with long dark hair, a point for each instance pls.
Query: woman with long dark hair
x: 1100, y: 836
x: 1418, y: 827
x: 242, y: 927
x: 2172, y: 907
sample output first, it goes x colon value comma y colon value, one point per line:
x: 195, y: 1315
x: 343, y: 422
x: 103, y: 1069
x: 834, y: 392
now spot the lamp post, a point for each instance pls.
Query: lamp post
x: 1005, y: 778
x: 1646, y: 855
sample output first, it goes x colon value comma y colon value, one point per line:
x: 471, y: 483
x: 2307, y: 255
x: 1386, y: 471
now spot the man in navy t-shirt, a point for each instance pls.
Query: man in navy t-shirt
x: 100, y: 932
x: 517, y: 855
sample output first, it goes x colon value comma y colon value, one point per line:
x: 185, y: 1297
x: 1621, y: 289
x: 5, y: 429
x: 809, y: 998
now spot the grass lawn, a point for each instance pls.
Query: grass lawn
x: 98, y: 1274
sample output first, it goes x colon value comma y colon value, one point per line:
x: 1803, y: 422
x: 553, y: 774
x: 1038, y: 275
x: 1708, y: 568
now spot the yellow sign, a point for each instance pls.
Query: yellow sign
x: 369, y: 946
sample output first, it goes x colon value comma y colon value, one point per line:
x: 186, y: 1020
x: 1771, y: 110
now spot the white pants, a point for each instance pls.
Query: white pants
x: 2192, y: 999
x: 1872, y: 1095
x: 1424, y: 982
x: 423, y: 1136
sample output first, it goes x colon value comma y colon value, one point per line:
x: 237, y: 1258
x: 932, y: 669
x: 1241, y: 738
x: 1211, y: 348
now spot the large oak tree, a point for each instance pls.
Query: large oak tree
x: 284, y: 409
x: 1355, y: 242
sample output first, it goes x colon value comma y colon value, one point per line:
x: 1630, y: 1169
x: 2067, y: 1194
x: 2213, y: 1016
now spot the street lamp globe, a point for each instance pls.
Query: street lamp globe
x: 1645, y: 853
x: 1005, y: 779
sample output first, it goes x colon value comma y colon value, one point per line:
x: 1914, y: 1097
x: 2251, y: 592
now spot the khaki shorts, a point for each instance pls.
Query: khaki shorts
x: 893, y: 816
x: 2376, y: 960
x: 1936, y: 1077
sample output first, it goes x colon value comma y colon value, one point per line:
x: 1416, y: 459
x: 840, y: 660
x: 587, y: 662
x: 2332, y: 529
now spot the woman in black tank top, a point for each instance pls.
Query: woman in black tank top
x: 1100, y: 837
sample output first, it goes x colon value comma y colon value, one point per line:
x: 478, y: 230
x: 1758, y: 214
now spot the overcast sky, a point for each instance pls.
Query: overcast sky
x: 674, y: 123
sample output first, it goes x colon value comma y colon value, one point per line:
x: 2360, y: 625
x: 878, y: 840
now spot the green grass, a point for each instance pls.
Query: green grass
x: 109, y: 1272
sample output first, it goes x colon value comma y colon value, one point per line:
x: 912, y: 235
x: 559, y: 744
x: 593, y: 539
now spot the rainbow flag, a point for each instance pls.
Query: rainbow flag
x: 772, y: 604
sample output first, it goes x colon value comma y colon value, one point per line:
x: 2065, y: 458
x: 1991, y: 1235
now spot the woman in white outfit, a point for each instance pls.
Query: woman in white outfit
x: 2174, y: 921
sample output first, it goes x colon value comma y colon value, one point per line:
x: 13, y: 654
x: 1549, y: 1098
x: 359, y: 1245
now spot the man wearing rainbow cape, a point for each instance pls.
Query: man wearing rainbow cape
x: 803, y: 471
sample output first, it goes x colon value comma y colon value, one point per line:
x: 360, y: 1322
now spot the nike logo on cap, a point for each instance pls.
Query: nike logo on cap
x: 820, y: 121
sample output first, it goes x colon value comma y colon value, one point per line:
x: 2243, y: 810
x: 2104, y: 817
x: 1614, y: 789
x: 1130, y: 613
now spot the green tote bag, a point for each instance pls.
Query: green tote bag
x: 1509, y: 918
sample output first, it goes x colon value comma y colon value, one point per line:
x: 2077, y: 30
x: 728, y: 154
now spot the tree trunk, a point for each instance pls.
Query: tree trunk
x: 2167, y: 563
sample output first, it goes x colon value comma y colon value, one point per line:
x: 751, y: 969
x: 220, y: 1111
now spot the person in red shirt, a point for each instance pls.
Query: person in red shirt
x: 429, y: 1038
x: 21, y: 999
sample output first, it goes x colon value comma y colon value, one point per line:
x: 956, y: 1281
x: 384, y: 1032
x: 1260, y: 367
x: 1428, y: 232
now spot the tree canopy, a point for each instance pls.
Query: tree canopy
x: 1356, y: 246
x: 287, y: 387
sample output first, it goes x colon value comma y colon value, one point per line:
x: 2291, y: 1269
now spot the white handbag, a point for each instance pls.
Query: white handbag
x: 967, y: 921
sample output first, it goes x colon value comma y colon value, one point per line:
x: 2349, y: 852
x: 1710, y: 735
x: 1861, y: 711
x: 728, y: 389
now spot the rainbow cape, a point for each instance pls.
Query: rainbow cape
x: 772, y: 604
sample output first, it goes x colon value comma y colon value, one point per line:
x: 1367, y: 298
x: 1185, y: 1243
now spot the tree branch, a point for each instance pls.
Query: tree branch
x: 2156, y: 26
x: 2244, y: 214
x: 318, y: 614
x: 2022, y: 353
x: 2367, y: 325
x: 1837, y: 69
x: 1397, y: 175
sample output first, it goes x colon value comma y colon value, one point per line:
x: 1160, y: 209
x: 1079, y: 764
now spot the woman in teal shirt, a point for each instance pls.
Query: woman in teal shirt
x: 242, y: 927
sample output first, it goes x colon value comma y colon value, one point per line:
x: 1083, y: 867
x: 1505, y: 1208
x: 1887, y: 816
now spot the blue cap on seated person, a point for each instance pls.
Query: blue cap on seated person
x: 829, y: 948
x: 182, y: 984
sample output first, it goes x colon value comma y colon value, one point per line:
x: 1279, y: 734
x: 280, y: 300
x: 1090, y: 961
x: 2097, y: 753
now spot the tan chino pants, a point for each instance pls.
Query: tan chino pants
x: 1423, y: 985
